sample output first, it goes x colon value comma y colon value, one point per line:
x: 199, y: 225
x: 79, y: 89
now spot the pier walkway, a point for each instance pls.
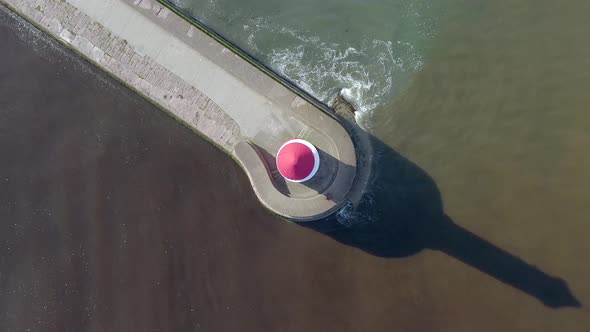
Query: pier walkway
x: 208, y: 87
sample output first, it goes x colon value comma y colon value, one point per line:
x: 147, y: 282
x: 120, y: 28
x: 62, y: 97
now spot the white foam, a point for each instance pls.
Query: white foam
x: 364, y: 76
x: 367, y: 74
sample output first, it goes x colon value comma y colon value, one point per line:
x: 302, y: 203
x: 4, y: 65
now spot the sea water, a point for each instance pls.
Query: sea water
x: 365, y: 50
x: 481, y: 112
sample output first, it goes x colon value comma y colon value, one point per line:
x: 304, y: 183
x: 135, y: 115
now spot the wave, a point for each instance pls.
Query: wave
x: 368, y: 73
x: 365, y: 76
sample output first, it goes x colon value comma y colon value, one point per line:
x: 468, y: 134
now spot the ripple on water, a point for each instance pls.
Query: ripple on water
x: 367, y: 64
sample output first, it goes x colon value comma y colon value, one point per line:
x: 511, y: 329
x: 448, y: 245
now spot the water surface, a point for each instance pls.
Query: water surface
x: 115, y: 217
x: 327, y: 47
x: 488, y: 99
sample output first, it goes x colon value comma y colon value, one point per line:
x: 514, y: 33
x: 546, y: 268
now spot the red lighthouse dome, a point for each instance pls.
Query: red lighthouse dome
x: 298, y: 160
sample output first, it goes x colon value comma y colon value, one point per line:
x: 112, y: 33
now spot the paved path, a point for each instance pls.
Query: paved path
x: 209, y: 88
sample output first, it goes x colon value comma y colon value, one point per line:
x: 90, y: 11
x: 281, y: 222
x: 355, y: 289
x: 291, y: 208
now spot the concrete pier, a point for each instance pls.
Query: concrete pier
x: 211, y: 89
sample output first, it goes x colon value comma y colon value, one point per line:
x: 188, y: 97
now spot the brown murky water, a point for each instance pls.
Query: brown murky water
x: 114, y: 217
x: 499, y: 118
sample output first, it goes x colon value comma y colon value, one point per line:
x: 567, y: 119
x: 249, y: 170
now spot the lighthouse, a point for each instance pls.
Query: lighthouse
x: 298, y: 160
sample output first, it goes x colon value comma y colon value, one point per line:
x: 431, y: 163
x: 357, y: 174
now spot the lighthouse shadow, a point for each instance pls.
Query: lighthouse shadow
x: 325, y: 182
x: 403, y: 214
x: 271, y: 167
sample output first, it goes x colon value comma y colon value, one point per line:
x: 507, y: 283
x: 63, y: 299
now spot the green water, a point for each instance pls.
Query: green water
x: 327, y: 47
x: 489, y: 98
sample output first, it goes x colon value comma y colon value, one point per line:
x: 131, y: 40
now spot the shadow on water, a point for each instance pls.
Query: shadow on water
x: 403, y: 214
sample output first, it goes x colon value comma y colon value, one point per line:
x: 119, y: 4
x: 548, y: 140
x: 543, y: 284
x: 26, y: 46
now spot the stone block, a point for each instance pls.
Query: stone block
x: 66, y: 36
x: 130, y: 77
x: 105, y: 59
x: 97, y: 54
x: 72, y: 21
x: 163, y: 13
x: 145, y: 4
x: 83, y: 20
x: 83, y: 45
x: 54, y: 26
x: 30, y: 11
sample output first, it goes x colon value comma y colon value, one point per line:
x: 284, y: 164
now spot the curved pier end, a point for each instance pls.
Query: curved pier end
x: 217, y: 90
x: 345, y: 168
x: 314, y: 199
x: 272, y: 197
